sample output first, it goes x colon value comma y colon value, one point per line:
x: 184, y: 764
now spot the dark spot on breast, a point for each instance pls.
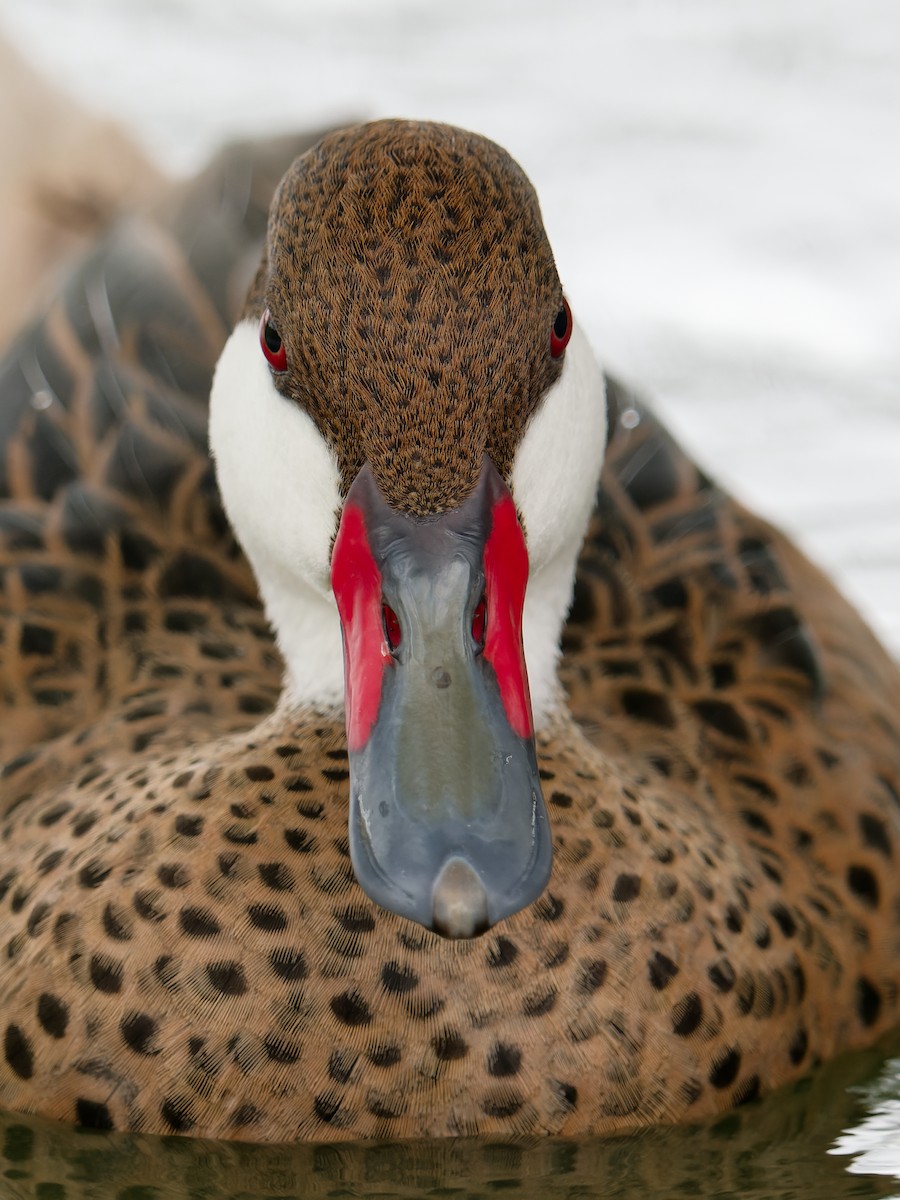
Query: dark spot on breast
x: 288, y: 964
x: 356, y: 919
x: 91, y: 1114
x: 37, y: 639
x: 173, y: 875
x: 259, y: 773
x: 746, y: 994
x: 784, y: 919
x: 37, y: 919
x: 762, y: 935
x: 84, y: 824
x: 198, y: 923
x: 687, y: 1015
x: 734, y: 919
x: 227, y: 978
x: 875, y: 834
x: 864, y: 885
x: 746, y: 1092
x: 591, y: 976
x: 276, y: 876
x: 117, y: 924
x: 449, y: 1046
x: 106, y: 973
x: 540, y: 1002
x: 299, y: 841
x: 351, y: 1009
x: 138, y: 1031
x: 341, y: 1064
x: 93, y: 874
x: 326, y: 1108
x: 53, y: 815
x: 18, y: 1052
x: 240, y: 836
x: 188, y: 826
x: 178, y: 1114
x: 147, y: 907
x: 756, y: 821
x: 626, y: 888
x: 566, y: 1092
x: 505, y: 1104
x: 268, y: 917
x: 166, y: 971
x: 280, y: 1051
x: 561, y: 799
x: 336, y: 774
x: 755, y: 784
x: 798, y: 1047
x: 721, y: 975
x: 299, y: 783
x: 798, y: 975
x: 398, y: 979
x: 53, y: 1014
x: 228, y: 864
x: 385, y: 1108
x: 549, y: 908
x: 384, y: 1055
x: 725, y: 1068
x: 661, y: 970
x: 502, y: 953
x: 248, y: 1114
x: 650, y: 707
x: 504, y: 1060
x: 723, y: 718
x: 868, y: 1001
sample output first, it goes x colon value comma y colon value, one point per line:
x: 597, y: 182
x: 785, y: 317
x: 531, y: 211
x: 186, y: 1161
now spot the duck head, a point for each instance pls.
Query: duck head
x: 408, y: 432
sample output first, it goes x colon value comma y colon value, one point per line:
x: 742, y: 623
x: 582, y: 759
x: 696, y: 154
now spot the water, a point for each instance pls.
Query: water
x: 776, y: 1150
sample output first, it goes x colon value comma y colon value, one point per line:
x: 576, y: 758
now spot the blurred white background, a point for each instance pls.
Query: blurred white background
x: 721, y: 182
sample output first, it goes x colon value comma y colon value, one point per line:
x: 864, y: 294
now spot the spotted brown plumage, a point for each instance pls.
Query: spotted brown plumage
x: 185, y: 946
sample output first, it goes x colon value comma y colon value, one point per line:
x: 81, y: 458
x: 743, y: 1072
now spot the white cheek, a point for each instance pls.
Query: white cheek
x: 554, y: 483
x: 279, y: 479
x: 557, y: 464
x: 281, y: 489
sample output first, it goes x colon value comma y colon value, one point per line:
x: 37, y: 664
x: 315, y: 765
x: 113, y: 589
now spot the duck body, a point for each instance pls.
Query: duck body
x: 186, y: 947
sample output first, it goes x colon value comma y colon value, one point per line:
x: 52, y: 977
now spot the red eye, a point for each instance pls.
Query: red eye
x: 272, y: 345
x: 391, y: 627
x: 562, y: 330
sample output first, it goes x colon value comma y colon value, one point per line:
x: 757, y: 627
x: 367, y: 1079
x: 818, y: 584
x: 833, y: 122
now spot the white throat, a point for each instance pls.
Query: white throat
x: 281, y: 489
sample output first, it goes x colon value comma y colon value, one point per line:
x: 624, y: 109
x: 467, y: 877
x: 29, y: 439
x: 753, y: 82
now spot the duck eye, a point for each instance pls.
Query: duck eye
x: 271, y: 344
x: 562, y: 330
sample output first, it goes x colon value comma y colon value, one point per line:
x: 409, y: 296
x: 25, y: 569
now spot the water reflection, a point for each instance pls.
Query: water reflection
x: 772, y: 1151
x: 874, y: 1143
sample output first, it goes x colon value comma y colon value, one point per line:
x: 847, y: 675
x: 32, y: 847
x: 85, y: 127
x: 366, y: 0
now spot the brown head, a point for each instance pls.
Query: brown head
x: 396, y: 391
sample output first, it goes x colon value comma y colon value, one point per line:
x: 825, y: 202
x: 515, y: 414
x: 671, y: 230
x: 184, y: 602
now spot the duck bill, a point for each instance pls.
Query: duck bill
x: 447, y: 821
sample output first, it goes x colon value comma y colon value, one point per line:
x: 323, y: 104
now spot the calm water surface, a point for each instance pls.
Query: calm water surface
x: 777, y: 1150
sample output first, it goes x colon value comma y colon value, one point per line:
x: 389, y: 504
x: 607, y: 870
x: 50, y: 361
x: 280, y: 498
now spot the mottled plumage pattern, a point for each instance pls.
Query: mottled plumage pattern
x: 184, y: 947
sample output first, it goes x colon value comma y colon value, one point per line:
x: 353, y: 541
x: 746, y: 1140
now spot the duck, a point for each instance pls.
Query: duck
x: 437, y: 750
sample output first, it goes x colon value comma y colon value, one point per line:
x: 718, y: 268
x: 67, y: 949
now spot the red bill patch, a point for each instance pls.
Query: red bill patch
x: 506, y: 575
x: 356, y: 581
